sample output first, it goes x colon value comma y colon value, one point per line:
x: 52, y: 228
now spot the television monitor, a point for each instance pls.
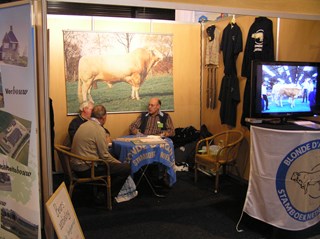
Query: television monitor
x: 284, y: 89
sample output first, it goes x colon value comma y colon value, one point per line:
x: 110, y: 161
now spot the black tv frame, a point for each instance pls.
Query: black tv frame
x: 257, y: 78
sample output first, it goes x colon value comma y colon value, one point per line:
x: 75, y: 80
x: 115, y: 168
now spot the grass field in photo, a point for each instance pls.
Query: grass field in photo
x: 117, y: 99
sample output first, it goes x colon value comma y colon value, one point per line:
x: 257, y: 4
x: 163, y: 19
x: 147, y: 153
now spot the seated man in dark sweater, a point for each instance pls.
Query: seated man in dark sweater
x: 153, y: 122
x: 84, y: 114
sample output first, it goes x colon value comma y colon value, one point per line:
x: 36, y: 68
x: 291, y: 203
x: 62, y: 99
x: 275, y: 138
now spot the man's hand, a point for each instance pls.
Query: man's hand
x: 164, y: 134
x: 137, y: 132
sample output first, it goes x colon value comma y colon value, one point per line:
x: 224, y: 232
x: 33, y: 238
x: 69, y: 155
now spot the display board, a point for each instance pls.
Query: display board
x: 62, y: 214
x: 19, y: 138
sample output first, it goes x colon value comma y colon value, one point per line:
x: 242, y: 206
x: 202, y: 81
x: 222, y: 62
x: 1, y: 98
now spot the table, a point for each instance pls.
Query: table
x: 132, y: 149
x: 284, y: 177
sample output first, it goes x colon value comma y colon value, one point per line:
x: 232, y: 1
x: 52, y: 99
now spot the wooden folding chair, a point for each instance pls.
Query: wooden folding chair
x: 65, y: 156
x: 217, y: 152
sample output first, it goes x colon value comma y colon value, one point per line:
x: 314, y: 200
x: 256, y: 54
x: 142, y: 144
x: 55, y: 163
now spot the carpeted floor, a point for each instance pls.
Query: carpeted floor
x: 190, y: 210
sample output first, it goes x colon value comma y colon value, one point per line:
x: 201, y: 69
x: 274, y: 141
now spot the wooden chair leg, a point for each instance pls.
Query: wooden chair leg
x: 109, y: 198
x: 71, y: 187
x: 216, y: 186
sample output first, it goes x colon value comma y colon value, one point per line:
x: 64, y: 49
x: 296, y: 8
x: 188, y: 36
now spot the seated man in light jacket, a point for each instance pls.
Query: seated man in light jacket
x: 90, y: 141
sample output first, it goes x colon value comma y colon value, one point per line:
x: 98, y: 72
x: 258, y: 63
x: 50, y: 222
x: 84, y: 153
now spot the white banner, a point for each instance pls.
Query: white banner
x: 284, y: 181
x: 19, y: 139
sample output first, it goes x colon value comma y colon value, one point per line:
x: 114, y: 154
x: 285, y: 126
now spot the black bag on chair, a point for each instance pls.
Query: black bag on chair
x: 185, y: 154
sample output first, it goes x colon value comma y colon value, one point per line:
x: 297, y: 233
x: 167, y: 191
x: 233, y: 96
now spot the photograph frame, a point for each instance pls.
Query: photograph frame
x: 121, y: 71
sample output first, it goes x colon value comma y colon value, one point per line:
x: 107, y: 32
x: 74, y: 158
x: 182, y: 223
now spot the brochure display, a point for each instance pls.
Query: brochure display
x: 62, y: 214
x: 19, y: 156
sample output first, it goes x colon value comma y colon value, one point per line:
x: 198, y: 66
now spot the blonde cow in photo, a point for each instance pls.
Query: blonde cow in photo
x: 291, y: 91
x: 131, y: 68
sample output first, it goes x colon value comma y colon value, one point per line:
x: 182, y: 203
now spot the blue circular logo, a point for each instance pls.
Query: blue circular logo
x: 298, y: 181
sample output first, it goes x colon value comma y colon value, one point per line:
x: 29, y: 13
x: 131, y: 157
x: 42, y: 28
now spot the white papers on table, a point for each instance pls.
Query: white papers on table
x: 149, y: 140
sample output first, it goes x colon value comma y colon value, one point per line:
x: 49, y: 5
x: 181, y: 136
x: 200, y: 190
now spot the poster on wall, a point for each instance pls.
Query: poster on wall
x: 121, y: 71
x: 19, y: 157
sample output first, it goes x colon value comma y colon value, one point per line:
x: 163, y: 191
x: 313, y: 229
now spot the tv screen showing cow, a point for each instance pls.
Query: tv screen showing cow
x: 284, y: 89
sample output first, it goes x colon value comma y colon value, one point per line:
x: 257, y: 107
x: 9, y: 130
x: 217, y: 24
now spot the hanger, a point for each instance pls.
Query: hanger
x: 233, y: 19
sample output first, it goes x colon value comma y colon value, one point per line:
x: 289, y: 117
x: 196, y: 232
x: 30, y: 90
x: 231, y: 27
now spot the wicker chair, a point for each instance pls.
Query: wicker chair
x: 65, y: 156
x: 216, y: 153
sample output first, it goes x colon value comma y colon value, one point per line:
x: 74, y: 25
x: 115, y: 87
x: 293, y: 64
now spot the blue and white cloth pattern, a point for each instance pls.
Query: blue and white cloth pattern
x: 139, y: 155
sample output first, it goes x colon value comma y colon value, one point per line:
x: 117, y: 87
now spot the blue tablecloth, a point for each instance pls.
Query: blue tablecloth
x: 139, y: 155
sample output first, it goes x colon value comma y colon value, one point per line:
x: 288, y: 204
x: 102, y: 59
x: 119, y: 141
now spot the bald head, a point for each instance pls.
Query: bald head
x: 154, y: 106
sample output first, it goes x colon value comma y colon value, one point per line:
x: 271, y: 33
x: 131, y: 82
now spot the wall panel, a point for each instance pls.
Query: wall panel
x: 186, y: 68
x: 299, y: 40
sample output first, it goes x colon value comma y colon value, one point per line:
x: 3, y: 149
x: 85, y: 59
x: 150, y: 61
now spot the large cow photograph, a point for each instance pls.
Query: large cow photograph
x: 121, y: 71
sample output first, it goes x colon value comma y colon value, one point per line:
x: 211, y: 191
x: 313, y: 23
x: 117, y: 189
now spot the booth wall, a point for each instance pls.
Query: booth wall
x: 298, y: 40
x: 186, y: 68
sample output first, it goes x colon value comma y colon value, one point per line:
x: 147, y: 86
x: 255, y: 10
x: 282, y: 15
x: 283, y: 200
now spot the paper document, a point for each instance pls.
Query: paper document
x: 148, y: 140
